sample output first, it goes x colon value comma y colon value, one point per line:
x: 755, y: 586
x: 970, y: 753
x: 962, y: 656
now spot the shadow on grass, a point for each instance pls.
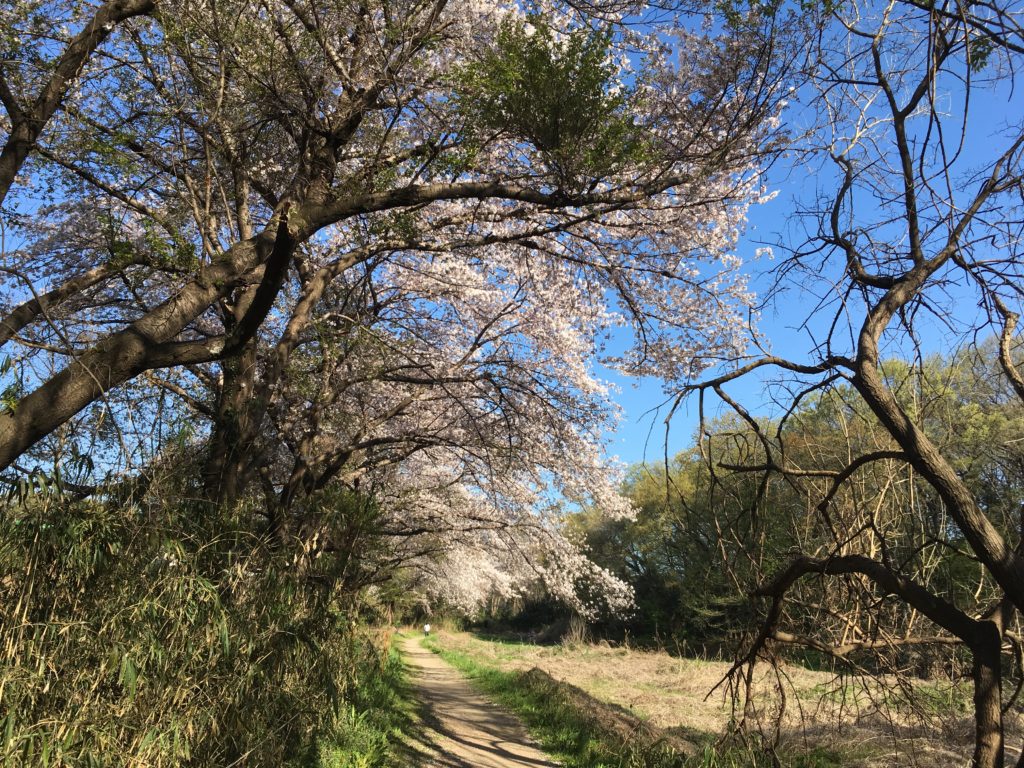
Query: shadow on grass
x: 576, y: 734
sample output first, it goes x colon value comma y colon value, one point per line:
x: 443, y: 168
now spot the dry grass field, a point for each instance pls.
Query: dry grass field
x: 849, y: 716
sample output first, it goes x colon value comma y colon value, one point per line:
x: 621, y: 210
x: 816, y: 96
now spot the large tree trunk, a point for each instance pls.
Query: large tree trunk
x: 988, y: 699
x: 231, y: 462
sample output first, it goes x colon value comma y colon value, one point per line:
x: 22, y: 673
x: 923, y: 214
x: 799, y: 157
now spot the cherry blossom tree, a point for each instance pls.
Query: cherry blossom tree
x: 206, y: 148
x: 376, y: 246
x: 460, y: 417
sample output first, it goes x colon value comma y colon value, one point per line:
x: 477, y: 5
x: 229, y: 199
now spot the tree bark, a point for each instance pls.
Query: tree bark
x: 988, y: 699
x: 983, y: 637
x: 231, y: 459
x: 29, y: 311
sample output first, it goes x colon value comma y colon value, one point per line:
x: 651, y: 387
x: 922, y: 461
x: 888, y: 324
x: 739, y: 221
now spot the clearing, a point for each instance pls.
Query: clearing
x: 852, y: 719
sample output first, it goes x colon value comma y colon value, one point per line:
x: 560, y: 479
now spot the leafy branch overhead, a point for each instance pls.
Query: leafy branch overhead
x: 562, y: 93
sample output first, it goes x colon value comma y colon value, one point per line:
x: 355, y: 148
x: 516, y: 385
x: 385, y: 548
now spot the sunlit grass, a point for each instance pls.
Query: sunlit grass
x: 577, y: 739
x: 565, y: 733
x: 371, y: 731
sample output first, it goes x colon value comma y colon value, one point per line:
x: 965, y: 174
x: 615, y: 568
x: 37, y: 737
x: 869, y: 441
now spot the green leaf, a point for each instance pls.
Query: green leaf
x: 557, y: 93
x: 129, y: 674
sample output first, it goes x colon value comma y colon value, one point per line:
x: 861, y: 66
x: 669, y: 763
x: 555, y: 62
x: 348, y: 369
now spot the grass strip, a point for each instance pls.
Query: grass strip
x: 579, y: 740
x: 566, y: 733
x: 371, y: 731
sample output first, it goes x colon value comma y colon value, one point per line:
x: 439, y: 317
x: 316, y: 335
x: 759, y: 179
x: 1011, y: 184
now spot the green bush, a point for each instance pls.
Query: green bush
x: 558, y: 94
x: 168, y: 635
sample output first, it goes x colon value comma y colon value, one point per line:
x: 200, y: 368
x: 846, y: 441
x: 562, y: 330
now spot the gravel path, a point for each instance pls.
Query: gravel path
x: 467, y: 731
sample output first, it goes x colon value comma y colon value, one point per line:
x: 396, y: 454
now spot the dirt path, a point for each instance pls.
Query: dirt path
x: 467, y: 731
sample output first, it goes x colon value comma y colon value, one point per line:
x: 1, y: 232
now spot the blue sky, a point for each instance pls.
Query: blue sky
x: 641, y: 434
x: 993, y: 108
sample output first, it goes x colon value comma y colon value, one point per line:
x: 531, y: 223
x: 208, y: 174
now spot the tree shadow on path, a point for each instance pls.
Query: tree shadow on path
x: 462, y: 729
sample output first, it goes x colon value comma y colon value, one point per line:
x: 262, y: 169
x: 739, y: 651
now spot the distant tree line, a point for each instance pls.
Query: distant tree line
x: 710, y: 530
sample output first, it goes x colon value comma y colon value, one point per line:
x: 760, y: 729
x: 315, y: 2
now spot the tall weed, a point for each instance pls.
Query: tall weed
x: 166, y: 634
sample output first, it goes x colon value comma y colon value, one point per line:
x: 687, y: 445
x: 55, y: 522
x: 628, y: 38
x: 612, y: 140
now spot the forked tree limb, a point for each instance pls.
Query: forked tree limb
x: 941, y: 612
x: 1000, y: 31
x: 206, y: 350
x: 29, y: 120
x: 944, y: 614
x: 146, y: 343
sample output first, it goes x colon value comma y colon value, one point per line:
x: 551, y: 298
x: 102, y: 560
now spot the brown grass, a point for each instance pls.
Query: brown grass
x: 852, y: 715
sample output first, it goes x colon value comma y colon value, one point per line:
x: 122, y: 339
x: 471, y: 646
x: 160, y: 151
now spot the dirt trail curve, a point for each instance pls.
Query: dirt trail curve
x: 468, y: 730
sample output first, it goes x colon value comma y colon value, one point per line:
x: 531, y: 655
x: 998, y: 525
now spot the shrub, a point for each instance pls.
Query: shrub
x: 165, y: 635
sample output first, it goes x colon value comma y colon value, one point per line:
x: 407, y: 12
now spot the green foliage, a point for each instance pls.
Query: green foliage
x: 979, y: 50
x: 170, y: 635
x: 370, y: 729
x: 556, y: 94
x: 12, y: 392
x: 701, y: 541
x: 670, y: 555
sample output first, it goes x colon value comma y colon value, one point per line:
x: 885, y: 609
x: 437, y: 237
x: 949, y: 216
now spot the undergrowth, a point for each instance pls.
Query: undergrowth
x: 165, y: 634
x: 369, y: 731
